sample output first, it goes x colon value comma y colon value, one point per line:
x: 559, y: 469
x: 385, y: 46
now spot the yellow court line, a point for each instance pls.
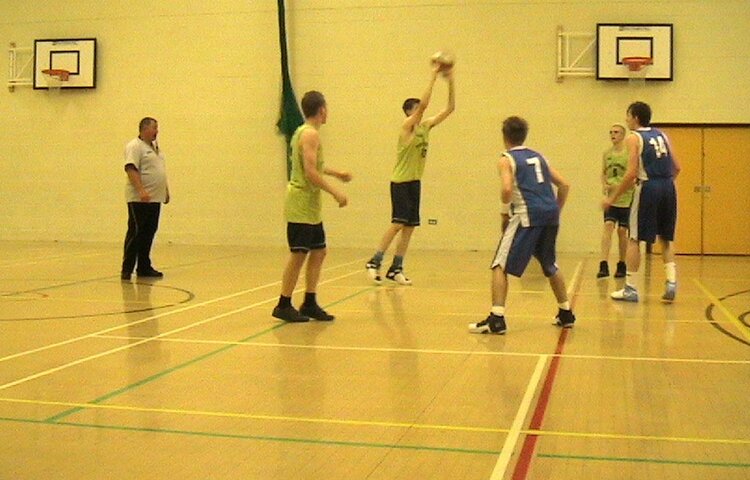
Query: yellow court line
x: 462, y: 428
x: 252, y: 416
x: 425, y: 350
x: 730, y: 316
x: 657, y: 438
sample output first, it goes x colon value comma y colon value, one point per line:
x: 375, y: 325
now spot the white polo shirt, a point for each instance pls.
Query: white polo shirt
x: 150, y: 163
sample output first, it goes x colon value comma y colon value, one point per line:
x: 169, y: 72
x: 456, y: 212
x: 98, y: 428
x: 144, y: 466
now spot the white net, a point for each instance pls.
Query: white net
x: 637, y: 76
x: 55, y: 80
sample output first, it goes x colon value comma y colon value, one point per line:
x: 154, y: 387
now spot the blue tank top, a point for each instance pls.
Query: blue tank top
x: 532, y: 197
x: 656, y: 159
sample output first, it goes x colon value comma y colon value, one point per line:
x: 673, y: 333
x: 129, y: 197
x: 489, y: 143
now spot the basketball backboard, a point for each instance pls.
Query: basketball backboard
x: 615, y: 41
x: 76, y: 55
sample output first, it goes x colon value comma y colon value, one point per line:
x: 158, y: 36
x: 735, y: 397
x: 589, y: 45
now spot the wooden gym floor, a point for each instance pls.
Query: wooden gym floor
x: 190, y: 377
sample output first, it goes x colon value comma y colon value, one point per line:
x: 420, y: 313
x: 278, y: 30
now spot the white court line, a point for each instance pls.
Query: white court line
x: 432, y: 351
x: 159, y: 315
x: 517, y: 427
x: 161, y: 335
x: 498, y: 473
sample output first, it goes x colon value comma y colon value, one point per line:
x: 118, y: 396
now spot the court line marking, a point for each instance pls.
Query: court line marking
x: 366, y: 444
x: 528, y: 448
x: 265, y: 438
x: 429, y: 351
x: 369, y: 444
x: 693, y: 463
x: 369, y: 423
x: 159, y: 315
x: 63, y: 256
x: 720, y: 305
x: 140, y: 342
x: 516, y: 427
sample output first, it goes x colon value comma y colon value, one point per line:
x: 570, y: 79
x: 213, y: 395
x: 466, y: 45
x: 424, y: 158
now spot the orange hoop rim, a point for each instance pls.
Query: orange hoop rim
x: 60, y: 73
x: 634, y: 64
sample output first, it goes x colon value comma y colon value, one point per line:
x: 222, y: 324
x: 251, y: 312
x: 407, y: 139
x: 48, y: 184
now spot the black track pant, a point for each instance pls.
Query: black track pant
x: 143, y: 221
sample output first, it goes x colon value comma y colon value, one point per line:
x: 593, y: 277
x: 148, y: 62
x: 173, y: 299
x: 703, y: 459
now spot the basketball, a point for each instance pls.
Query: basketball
x: 444, y: 59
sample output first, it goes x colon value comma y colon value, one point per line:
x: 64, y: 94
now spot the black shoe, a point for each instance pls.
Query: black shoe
x: 150, y: 273
x: 125, y: 276
x: 316, y: 313
x: 397, y: 275
x: 289, y: 314
x: 603, y: 270
x: 621, y: 270
x: 492, y: 324
x: 565, y: 318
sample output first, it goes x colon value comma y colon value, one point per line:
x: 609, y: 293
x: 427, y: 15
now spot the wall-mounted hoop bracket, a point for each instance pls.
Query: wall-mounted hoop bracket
x: 20, y: 63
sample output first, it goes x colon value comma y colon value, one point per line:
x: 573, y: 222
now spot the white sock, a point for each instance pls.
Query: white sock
x: 629, y: 279
x: 498, y: 310
x: 564, y: 305
x: 670, y: 269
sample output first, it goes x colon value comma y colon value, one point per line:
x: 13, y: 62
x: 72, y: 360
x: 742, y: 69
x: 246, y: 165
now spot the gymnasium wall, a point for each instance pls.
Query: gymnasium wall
x: 209, y: 72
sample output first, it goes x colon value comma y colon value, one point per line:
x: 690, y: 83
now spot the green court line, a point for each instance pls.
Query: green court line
x: 132, y: 386
x: 263, y: 438
x: 426, y: 448
x: 156, y: 376
x: 644, y: 460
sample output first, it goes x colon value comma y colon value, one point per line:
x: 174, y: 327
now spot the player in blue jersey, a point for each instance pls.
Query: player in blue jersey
x: 527, y: 181
x: 652, y: 167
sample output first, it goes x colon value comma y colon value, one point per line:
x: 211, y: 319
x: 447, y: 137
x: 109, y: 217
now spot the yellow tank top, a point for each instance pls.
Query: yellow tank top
x: 303, y: 199
x: 412, y: 156
x: 616, y: 163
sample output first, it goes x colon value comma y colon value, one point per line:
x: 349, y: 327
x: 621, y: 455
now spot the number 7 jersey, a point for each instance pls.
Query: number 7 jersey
x: 655, y: 159
x: 532, y: 197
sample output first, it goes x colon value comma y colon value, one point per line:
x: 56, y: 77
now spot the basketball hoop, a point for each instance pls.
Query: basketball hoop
x: 637, y: 70
x: 635, y: 64
x: 55, y: 78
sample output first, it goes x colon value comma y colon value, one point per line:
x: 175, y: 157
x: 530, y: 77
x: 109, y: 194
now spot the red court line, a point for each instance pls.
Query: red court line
x: 529, y: 444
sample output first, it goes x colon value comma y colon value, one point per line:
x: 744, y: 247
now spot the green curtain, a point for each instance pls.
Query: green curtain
x: 290, y: 116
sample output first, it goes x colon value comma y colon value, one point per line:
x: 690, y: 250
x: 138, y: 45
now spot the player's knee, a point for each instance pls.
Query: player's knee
x: 549, y: 270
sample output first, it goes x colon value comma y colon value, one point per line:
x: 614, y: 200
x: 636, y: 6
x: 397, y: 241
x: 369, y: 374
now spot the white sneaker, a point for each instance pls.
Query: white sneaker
x: 373, y: 270
x: 627, y: 294
x: 397, y: 275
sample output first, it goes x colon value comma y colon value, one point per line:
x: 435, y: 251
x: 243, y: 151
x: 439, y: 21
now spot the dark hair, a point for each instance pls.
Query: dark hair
x: 312, y: 102
x: 515, y: 130
x: 642, y: 112
x: 145, y: 122
x: 409, y: 104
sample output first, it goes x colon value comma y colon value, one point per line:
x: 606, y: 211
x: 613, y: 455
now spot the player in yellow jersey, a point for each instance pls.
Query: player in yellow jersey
x: 406, y: 178
x: 614, y: 166
x: 302, y: 209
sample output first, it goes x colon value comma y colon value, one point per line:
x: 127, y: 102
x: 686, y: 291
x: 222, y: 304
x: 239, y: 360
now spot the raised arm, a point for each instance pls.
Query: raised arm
x: 437, y: 119
x: 416, y: 118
